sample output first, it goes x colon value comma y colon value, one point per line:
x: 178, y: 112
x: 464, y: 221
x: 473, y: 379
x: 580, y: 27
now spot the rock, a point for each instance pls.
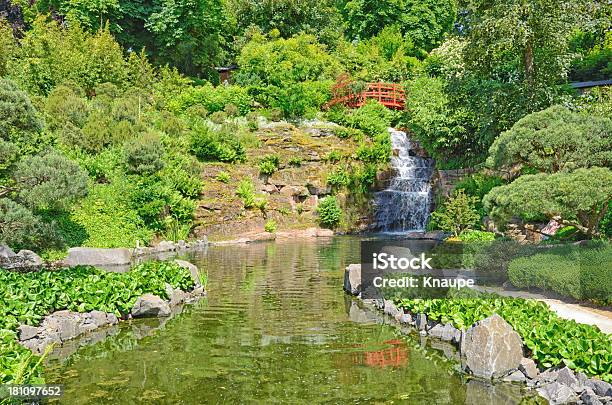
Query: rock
x: 96, y: 256
x: 324, y: 233
x: 29, y: 258
x: 557, y: 393
x: 310, y: 203
x: 6, y: 252
x: 528, y: 367
x: 27, y: 332
x: 165, y: 246
x: 491, y: 348
x: 169, y: 290
x: 588, y: 397
x: 150, y: 305
x: 515, y: 376
x: 198, y: 291
x: 352, y: 279
x: 601, y: 388
x: 112, y: 319
x: 294, y: 191
x: 193, y: 270
x: 318, y: 190
x: 178, y: 297
x: 270, y: 189
x: 67, y: 328
x: 390, y: 308
x: 446, y: 332
x: 567, y: 378
x: 421, y: 321
x: 406, y: 319
x: 181, y: 244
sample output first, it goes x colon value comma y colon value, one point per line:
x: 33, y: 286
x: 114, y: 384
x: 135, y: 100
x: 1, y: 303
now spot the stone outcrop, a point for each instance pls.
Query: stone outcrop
x: 62, y: 326
x: 352, y: 279
x: 491, y: 348
x: 79, y: 256
x: 150, y: 305
x: 25, y: 260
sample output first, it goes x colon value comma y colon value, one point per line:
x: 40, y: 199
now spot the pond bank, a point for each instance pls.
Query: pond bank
x: 504, y: 355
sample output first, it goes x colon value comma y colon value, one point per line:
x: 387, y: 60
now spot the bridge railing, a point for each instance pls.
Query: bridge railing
x: 391, y: 95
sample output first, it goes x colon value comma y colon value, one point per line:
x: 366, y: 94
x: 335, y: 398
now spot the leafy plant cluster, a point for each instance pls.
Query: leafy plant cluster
x: 550, y: 340
x: 28, y: 297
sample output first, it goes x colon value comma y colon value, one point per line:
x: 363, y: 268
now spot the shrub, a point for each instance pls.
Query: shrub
x: 214, y: 146
x: 476, y: 236
x: 295, y: 162
x: 223, y: 177
x: 218, y: 117
x: 582, y: 273
x: 329, y: 212
x: 457, y: 215
x: 246, y: 192
x: 478, y: 185
x: 144, y: 155
x: 270, y: 226
x: 213, y: 99
x: 553, y: 140
x: 50, y: 181
x: 17, y: 112
x: 21, y: 229
x: 339, y: 178
x: 333, y: 156
x: 269, y: 164
x: 577, y: 198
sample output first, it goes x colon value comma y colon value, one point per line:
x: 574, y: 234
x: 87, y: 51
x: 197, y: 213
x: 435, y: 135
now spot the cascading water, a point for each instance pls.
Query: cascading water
x: 404, y: 205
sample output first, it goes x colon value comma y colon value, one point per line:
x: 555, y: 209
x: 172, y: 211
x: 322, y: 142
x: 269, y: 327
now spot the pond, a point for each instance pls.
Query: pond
x: 276, y: 327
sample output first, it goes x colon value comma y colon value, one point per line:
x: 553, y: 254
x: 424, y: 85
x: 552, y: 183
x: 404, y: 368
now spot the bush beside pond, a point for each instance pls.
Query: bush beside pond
x: 29, y: 297
x: 573, y: 271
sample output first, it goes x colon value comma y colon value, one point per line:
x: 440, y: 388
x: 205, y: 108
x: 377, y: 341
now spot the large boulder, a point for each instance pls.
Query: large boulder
x: 98, y: 257
x: 352, y: 279
x: 150, y: 305
x: 193, y: 270
x: 491, y: 348
x: 29, y: 258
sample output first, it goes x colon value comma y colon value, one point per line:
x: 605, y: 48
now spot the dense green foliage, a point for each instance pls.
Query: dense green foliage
x: 551, y: 340
x: 577, y: 272
x: 457, y: 215
x: 329, y: 212
x: 579, y: 198
x: 553, y: 140
x: 28, y: 297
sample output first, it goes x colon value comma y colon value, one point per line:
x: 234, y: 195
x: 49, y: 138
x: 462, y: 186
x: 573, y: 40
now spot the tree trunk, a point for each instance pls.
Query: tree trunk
x: 528, y: 62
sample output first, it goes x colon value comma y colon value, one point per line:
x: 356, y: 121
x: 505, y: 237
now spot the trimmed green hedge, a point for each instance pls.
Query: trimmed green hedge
x: 583, y: 273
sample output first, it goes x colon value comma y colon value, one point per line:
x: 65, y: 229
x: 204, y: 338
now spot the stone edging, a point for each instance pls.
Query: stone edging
x: 558, y: 386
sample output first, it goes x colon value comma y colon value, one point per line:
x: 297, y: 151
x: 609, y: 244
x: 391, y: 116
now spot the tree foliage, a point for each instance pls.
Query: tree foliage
x: 423, y: 22
x: 17, y: 112
x: 579, y: 198
x: 49, y: 181
x: 553, y: 140
x: 457, y: 215
x: 524, y: 37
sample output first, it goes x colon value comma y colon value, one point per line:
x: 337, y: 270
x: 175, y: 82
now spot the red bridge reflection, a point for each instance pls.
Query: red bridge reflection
x: 394, y: 356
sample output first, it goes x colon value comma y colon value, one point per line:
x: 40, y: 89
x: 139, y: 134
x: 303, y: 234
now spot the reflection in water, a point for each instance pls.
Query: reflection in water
x: 275, y: 328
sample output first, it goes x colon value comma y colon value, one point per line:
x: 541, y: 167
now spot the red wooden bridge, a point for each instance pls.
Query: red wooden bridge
x: 355, y: 95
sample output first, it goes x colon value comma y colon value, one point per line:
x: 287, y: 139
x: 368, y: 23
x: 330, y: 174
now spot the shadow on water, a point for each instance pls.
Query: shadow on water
x: 275, y: 328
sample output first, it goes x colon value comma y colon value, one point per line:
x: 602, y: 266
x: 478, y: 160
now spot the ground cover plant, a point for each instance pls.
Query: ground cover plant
x: 28, y: 297
x: 550, y: 340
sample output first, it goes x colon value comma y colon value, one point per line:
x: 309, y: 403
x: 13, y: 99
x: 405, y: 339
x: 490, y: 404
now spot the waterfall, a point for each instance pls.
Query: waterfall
x: 404, y: 204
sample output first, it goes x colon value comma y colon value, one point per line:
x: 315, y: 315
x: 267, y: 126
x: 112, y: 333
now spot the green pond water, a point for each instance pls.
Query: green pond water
x: 275, y: 327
